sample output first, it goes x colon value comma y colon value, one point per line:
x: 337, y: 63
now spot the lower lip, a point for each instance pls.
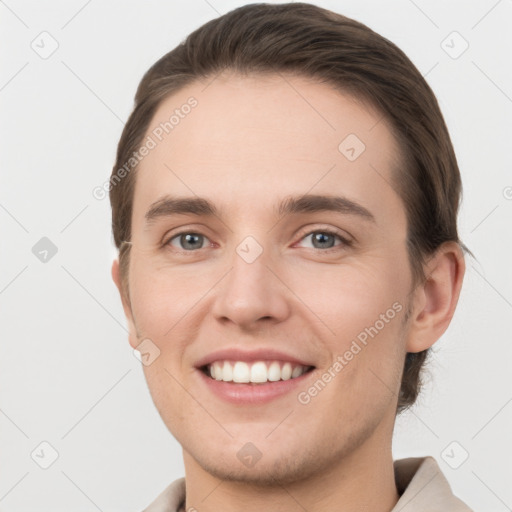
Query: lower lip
x: 252, y: 394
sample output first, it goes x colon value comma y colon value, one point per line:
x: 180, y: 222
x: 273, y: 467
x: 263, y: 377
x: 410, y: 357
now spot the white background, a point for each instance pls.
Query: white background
x: 67, y: 373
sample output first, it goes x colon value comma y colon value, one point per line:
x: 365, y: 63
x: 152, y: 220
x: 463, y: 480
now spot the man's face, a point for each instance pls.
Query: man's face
x: 309, y: 286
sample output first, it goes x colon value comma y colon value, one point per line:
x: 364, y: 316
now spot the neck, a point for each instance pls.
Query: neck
x: 361, y: 480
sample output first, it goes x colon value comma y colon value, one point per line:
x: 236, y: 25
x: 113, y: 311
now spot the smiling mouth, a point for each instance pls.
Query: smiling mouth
x: 257, y: 372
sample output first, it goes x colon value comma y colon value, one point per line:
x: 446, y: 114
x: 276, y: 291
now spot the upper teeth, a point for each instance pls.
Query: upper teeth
x: 259, y: 371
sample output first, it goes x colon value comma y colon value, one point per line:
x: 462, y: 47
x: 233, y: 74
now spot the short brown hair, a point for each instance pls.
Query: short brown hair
x: 310, y: 41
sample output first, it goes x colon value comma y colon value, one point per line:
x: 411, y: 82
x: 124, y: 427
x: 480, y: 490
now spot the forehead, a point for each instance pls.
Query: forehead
x: 238, y: 139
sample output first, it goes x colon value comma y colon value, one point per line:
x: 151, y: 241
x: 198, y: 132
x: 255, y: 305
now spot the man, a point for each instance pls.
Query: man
x: 285, y: 203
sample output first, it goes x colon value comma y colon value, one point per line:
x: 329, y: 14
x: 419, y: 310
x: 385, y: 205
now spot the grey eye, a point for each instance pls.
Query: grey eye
x: 188, y: 241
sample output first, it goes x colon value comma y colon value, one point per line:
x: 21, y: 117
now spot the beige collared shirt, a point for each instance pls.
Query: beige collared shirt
x: 420, y: 483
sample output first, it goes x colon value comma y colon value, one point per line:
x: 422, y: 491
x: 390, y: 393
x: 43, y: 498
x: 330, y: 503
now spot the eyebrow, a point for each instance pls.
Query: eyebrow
x: 310, y: 203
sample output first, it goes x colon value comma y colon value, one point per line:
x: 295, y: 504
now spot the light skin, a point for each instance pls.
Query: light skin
x: 250, y: 143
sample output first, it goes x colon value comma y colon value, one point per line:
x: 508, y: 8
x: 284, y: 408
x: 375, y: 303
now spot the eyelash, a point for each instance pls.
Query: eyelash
x: 344, y: 241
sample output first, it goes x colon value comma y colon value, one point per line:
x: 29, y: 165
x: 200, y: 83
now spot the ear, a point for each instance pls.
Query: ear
x: 116, y: 277
x: 434, y: 301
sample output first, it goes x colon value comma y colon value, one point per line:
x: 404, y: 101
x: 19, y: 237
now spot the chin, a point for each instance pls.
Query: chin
x: 271, y: 464
x: 267, y: 471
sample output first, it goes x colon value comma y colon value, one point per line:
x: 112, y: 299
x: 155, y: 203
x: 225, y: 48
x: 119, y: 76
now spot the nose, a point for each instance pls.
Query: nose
x: 251, y: 295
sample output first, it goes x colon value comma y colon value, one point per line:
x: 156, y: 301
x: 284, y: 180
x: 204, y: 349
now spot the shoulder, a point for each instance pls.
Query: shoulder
x: 420, y: 482
x: 170, y: 499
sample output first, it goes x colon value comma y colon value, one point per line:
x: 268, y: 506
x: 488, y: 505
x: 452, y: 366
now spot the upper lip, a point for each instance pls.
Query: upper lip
x: 237, y: 354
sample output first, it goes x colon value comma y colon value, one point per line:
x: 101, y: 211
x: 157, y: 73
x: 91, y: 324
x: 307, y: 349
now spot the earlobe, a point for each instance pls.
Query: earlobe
x: 435, y: 300
x: 116, y: 277
x: 115, y: 274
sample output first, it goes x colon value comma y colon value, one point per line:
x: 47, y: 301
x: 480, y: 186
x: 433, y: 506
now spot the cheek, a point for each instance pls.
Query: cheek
x: 361, y: 308
x: 354, y: 298
x: 158, y: 302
